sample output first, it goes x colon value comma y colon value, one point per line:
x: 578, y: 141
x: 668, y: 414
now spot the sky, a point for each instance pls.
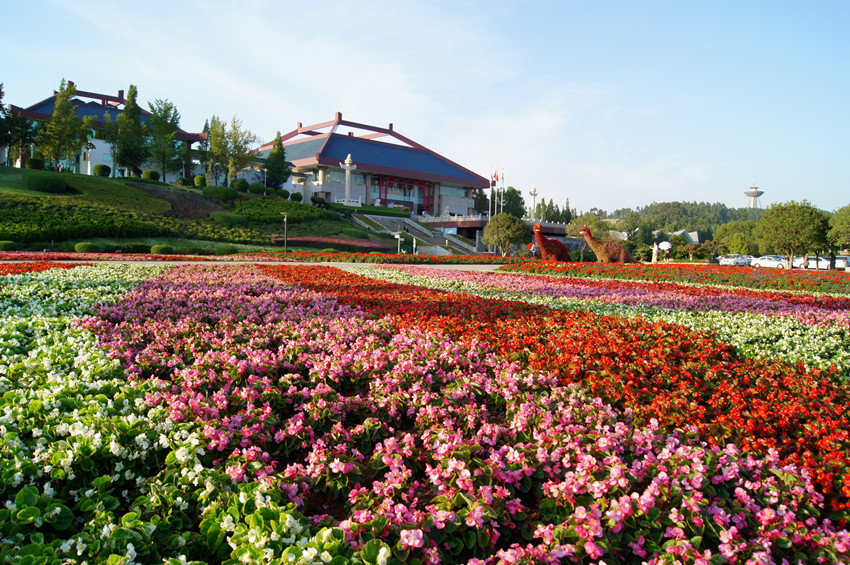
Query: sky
x: 607, y: 104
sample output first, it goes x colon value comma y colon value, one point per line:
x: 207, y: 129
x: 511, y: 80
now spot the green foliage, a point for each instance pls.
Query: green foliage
x: 8, y: 246
x: 35, y: 163
x: 226, y: 249
x: 222, y: 193
x: 162, y: 126
x: 132, y: 150
x: 240, y: 184
x: 276, y: 167
x: 150, y: 174
x: 270, y: 209
x: 839, y: 228
x: 283, y: 193
x: 514, y: 203
x: 296, y: 197
x: 257, y: 188
x: 228, y: 219
x: 86, y: 247
x: 44, y: 181
x: 792, y: 227
x: 239, y: 145
x: 354, y: 232
x: 101, y: 170
x: 504, y: 230
x: 200, y: 181
x: 161, y: 249
x: 374, y: 210
x: 65, y: 135
x: 182, y: 182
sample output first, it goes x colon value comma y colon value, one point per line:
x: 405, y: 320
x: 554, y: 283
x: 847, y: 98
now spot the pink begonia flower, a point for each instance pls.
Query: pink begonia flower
x: 236, y: 473
x: 593, y: 550
x: 412, y: 538
x: 338, y: 466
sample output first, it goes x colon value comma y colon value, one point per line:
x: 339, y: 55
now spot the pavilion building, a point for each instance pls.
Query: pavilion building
x: 388, y: 170
x: 100, y: 105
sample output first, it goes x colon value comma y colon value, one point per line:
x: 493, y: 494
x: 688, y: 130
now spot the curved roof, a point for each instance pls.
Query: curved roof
x: 404, y: 158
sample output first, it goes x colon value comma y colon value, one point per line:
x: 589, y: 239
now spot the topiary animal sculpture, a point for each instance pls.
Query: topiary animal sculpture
x: 550, y: 249
x: 606, y: 251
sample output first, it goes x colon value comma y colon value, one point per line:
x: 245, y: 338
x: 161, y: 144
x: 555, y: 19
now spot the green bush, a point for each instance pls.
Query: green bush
x: 161, y: 249
x: 35, y: 163
x: 8, y: 246
x: 257, y: 188
x: 268, y: 210
x: 150, y: 174
x: 135, y: 247
x: 86, y: 247
x: 182, y: 182
x: 101, y: 170
x: 354, y: 232
x: 45, y: 182
x: 200, y: 181
x: 328, y: 250
x: 283, y: 193
x: 228, y: 219
x: 240, y: 184
x: 296, y: 197
x: 223, y: 193
x: 226, y: 249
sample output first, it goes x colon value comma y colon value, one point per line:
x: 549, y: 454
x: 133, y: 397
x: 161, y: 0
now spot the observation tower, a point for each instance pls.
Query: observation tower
x: 754, y: 194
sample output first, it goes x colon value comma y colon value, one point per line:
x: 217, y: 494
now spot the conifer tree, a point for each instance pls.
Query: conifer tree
x: 132, y: 150
x: 277, y: 168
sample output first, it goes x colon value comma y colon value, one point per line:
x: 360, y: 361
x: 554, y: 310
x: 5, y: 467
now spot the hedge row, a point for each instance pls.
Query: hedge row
x: 269, y: 210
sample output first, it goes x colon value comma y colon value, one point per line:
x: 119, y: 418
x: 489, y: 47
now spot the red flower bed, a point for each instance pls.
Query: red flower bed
x: 658, y: 370
x: 20, y: 268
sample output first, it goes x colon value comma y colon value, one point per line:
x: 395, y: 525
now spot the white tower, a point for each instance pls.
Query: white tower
x: 533, y: 193
x: 754, y: 194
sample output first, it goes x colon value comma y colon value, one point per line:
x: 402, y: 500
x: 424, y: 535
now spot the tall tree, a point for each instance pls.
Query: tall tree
x: 504, y: 230
x: 239, y: 142
x: 277, y: 168
x: 4, y: 126
x: 481, y: 203
x: 109, y: 134
x: 132, y: 150
x: 65, y: 135
x: 217, y: 150
x: 791, y: 227
x: 203, y: 149
x: 839, y: 228
x: 162, y: 126
x: 513, y: 203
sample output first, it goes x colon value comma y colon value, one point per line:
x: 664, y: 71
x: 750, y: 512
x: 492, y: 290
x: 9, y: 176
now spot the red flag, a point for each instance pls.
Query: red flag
x: 495, y: 176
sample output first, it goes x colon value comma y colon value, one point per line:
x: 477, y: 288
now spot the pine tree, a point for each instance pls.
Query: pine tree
x: 132, y: 151
x: 277, y: 168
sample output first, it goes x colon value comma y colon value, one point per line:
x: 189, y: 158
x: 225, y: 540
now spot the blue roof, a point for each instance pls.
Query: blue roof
x: 382, y: 155
x: 84, y: 109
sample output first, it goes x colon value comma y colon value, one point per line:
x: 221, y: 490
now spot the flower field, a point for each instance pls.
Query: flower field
x: 240, y: 413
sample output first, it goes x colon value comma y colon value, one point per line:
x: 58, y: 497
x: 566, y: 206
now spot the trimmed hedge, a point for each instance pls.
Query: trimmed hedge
x: 161, y: 249
x: 45, y: 182
x: 101, y: 170
x: 268, y: 210
x: 86, y: 247
x: 296, y: 197
x: 283, y: 193
x: 200, y: 181
x: 34, y: 163
x: 223, y: 193
x: 150, y: 174
x: 226, y: 249
x: 228, y: 219
x: 8, y: 246
x: 257, y: 188
x: 240, y: 184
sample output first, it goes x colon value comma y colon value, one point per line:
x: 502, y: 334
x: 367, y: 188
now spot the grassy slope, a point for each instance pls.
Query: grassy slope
x: 116, y: 195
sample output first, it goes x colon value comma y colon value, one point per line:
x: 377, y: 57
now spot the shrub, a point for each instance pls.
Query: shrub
x: 283, y: 193
x: 296, y: 197
x: 101, y: 170
x: 8, y: 246
x: 150, y: 174
x: 226, y: 249
x: 354, y: 232
x: 135, y: 247
x: 240, y: 184
x: 35, y: 163
x: 86, y: 247
x: 182, y: 182
x: 45, y: 182
x: 228, y: 219
x: 200, y: 181
x: 328, y: 250
x: 257, y: 188
x: 223, y: 193
x: 161, y: 249
x: 269, y: 210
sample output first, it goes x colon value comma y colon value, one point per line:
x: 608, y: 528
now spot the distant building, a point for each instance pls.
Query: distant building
x: 391, y: 170
x: 100, y: 105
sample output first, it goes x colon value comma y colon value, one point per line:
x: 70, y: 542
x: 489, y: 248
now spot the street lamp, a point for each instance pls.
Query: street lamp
x: 398, y: 237
x: 285, y: 218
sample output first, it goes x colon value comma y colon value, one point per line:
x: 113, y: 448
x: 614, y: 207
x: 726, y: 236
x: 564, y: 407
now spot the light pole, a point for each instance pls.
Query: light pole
x: 285, y: 218
x: 398, y: 237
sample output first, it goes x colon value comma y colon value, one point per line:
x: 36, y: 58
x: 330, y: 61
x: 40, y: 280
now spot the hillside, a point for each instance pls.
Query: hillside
x: 122, y: 213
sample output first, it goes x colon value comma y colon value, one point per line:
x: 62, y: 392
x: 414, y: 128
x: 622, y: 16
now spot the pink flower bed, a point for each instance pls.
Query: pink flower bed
x: 447, y: 452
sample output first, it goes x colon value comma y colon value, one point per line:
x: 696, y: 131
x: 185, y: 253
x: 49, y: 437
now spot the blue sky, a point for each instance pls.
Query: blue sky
x: 609, y: 104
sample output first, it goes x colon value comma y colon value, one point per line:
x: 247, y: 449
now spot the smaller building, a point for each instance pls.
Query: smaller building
x: 99, y: 106
x: 391, y: 170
